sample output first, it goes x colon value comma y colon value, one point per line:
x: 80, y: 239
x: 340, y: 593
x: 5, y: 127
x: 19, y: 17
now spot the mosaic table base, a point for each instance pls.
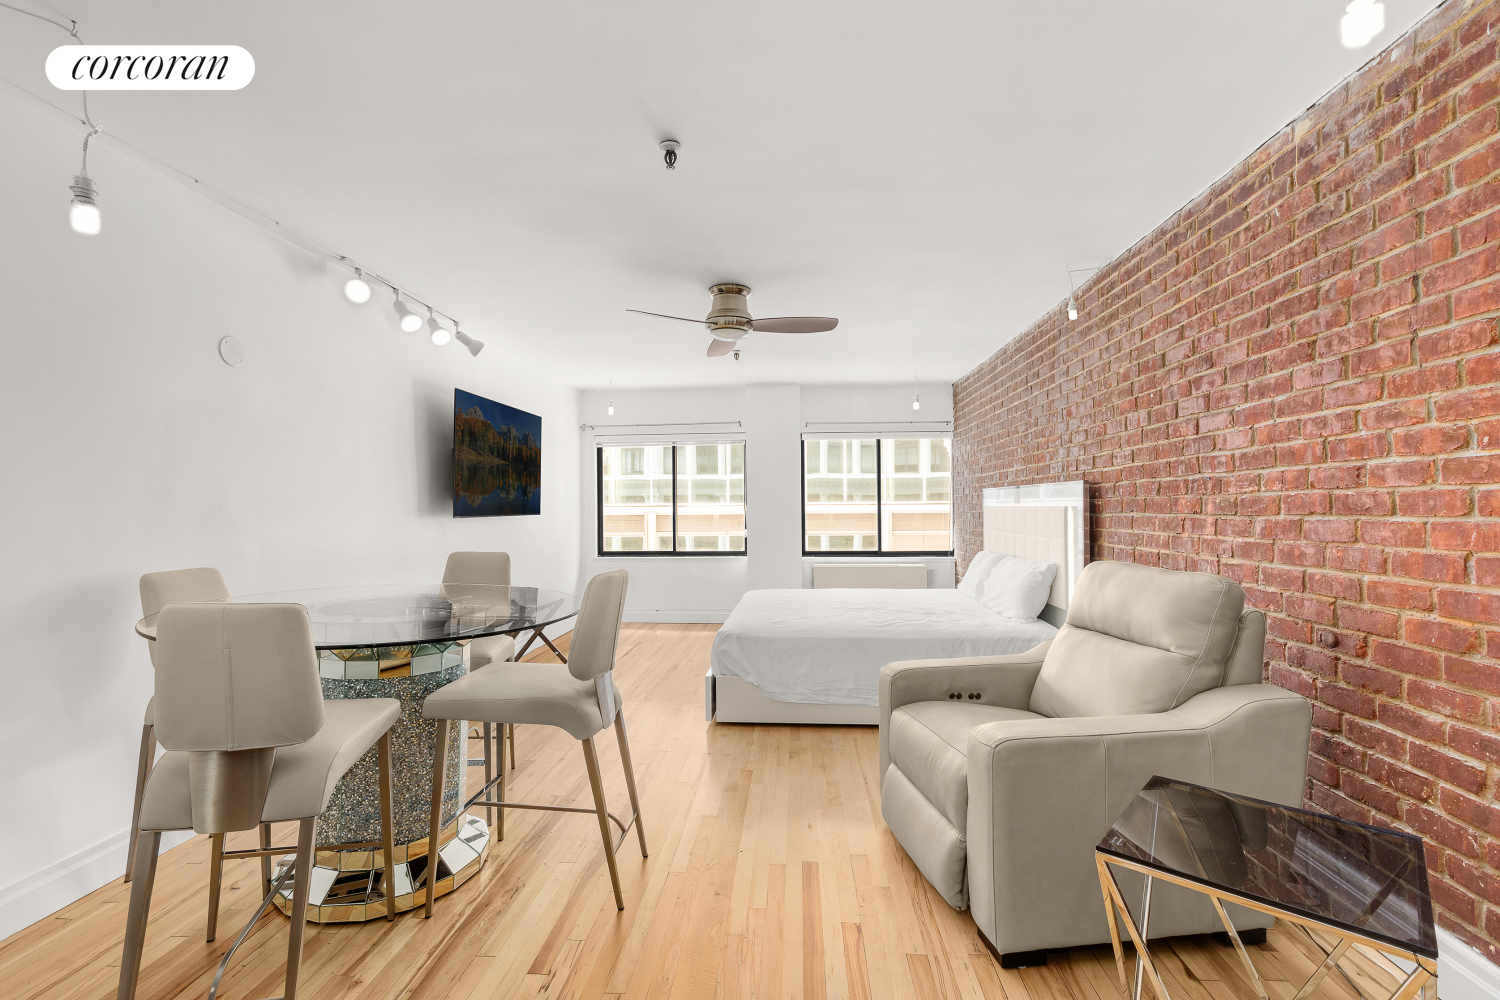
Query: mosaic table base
x: 346, y: 883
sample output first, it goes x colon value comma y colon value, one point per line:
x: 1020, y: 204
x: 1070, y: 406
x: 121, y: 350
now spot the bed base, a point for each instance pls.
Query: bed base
x: 733, y: 699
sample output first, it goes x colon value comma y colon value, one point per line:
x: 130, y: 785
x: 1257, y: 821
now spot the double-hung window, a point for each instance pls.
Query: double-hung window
x: 672, y: 498
x: 868, y: 496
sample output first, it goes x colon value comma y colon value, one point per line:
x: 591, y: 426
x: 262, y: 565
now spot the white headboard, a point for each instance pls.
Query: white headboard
x: 1047, y: 523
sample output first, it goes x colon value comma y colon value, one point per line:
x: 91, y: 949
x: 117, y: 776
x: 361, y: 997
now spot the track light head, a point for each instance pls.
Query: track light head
x: 438, y: 333
x: 410, y: 321
x: 83, y: 214
x: 474, y: 346
x: 356, y: 290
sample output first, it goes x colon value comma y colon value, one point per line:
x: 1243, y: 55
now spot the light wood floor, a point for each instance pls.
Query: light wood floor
x: 771, y: 875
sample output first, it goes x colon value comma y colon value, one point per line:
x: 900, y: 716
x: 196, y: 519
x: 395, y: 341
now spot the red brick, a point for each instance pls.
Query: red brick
x: 1368, y: 621
x: 1446, y: 766
x: 1466, y: 536
x: 1407, y: 660
x: 1473, y: 743
x: 1438, y: 567
x: 1441, y: 635
x: 1398, y: 595
x: 1441, y: 829
x: 1376, y: 738
x: 1480, y: 469
x: 1433, y: 503
x: 1399, y: 414
x: 1366, y: 791
x: 1409, y: 783
x: 1444, y: 700
x: 1466, y: 810
x: 1401, y: 473
x: 1418, y: 724
x: 1398, y: 534
x: 1468, y: 405
x: 1481, y: 675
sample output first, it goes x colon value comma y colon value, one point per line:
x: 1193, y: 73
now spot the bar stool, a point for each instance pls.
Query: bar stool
x: 178, y: 586
x: 579, y: 697
x: 250, y: 741
x: 490, y: 569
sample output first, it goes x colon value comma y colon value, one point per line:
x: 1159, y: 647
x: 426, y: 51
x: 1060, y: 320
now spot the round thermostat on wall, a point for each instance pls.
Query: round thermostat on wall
x: 232, y: 351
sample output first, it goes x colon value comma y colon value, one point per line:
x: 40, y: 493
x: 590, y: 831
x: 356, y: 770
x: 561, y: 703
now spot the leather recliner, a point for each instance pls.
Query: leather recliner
x: 999, y: 774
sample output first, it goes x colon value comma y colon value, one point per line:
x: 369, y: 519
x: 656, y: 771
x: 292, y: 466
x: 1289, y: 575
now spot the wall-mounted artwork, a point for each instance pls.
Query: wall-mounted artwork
x: 497, y: 458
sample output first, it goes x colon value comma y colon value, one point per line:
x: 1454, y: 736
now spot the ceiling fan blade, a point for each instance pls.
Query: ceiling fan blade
x: 718, y: 348
x: 794, y: 324
x: 665, y: 316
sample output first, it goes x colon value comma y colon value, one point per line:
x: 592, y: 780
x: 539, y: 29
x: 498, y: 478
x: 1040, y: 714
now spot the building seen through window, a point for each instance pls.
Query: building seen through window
x: 878, y: 495
x: 644, y: 489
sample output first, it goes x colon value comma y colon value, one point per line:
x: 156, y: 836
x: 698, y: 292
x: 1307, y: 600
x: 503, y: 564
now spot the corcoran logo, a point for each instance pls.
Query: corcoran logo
x: 150, y: 67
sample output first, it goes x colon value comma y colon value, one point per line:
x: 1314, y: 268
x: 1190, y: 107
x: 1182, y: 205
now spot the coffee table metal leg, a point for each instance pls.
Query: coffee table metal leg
x: 1138, y: 938
x: 1239, y: 946
x: 1114, y: 925
x: 550, y: 646
x: 1145, y: 937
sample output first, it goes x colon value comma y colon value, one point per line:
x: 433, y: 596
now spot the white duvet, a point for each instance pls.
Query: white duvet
x: 826, y: 647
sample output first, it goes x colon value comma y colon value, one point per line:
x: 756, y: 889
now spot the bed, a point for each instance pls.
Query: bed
x: 813, y: 657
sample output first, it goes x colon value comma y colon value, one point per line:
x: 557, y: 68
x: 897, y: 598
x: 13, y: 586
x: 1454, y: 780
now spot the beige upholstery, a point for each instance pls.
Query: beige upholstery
x: 542, y: 694
x: 235, y: 677
x: 1006, y: 825
x: 302, y: 778
x: 491, y: 569
x: 1139, y: 639
x: 180, y: 586
x: 596, y: 634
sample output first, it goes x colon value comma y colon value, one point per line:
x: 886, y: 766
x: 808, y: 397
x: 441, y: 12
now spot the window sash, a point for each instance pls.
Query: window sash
x: 693, y: 532
x: 849, y: 524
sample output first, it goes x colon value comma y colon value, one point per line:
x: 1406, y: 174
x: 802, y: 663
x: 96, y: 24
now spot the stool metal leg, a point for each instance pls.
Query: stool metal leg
x: 301, y: 886
x: 489, y: 769
x: 142, y: 772
x: 498, y: 792
x: 591, y: 760
x: 215, y: 881
x: 387, y: 826
x: 435, y: 825
x: 147, y: 848
x: 635, y: 802
x: 512, y: 746
x: 265, y: 862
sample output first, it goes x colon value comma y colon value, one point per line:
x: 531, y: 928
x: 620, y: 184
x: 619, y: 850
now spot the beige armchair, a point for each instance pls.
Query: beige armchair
x: 1000, y: 774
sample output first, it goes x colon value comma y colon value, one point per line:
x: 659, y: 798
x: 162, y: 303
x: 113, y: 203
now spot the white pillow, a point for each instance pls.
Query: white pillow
x: 1018, y: 588
x: 972, y: 585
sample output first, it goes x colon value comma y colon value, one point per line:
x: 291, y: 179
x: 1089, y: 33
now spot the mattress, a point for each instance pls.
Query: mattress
x: 826, y: 647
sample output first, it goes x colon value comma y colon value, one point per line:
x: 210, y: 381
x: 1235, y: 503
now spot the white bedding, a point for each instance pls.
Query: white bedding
x: 826, y: 647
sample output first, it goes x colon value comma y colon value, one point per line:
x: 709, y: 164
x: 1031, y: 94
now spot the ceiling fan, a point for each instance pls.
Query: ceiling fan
x: 729, y: 320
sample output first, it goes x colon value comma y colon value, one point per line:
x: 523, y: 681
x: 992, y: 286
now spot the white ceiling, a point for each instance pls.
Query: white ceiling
x: 925, y: 172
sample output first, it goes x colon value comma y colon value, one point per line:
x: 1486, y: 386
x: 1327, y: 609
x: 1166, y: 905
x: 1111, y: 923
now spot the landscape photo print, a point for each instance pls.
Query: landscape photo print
x: 497, y: 458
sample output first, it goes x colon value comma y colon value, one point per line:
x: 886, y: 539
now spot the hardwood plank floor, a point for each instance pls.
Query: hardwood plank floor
x: 771, y: 875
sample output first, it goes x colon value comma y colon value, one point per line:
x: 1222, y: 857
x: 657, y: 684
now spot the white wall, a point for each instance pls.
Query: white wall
x: 127, y: 446
x: 773, y: 419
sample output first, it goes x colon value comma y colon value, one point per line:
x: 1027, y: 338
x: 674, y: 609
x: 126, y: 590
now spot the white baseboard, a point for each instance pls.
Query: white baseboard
x: 41, y: 894
x: 707, y: 616
x: 1463, y: 973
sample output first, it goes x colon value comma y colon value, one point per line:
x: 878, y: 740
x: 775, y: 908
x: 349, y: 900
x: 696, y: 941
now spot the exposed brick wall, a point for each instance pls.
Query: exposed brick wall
x: 1294, y: 382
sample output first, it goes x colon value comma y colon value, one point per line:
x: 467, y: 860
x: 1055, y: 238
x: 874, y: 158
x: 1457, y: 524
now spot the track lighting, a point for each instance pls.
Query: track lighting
x: 410, y: 321
x: 1072, y: 308
x: 1362, y: 21
x: 474, y: 346
x: 356, y: 290
x: 439, y: 333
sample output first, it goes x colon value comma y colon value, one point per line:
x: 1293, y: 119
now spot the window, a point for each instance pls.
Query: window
x: 868, y: 496
x: 685, y: 499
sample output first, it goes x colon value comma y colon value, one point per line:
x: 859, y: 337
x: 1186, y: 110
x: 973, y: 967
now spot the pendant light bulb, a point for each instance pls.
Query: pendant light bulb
x: 916, y: 401
x: 410, y: 321
x: 1072, y: 308
x: 356, y: 290
x: 83, y: 213
x: 611, y: 410
x: 439, y: 333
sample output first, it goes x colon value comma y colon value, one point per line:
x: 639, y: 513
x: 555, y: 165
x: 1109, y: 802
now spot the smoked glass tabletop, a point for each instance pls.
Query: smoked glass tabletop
x: 409, y: 614
x: 1363, y: 879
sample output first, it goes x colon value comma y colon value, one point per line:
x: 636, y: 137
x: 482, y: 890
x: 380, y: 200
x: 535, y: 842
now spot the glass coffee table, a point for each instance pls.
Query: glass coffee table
x: 1363, y: 884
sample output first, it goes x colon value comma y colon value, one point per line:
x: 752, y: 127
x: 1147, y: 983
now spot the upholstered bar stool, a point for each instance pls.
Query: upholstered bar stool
x: 579, y: 697
x: 250, y: 741
x: 489, y: 569
x: 179, y: 586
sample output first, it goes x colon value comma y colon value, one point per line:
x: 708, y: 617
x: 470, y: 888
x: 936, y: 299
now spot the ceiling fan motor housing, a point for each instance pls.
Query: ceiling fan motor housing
x: 729, y: 316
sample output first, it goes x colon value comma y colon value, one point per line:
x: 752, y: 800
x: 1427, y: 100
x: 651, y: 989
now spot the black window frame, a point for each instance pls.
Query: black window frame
x: 672, y: 553
x: 877, y: 551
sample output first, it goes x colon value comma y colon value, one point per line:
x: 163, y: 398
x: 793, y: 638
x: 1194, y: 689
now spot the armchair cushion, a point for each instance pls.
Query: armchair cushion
x: 1138, y: 640
x: 930, y: 741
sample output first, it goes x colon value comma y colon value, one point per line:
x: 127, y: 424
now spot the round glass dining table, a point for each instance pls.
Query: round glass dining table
x: 404, y: 642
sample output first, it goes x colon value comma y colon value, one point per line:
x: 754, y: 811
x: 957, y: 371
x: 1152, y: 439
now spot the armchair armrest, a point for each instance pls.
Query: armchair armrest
x: 1043, y: 791
x: 1001, y: 680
